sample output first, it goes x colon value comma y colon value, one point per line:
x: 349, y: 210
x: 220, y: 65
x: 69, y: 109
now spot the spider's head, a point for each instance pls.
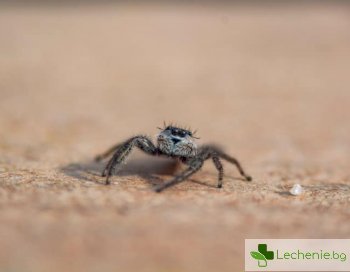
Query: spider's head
x: 174, y: 141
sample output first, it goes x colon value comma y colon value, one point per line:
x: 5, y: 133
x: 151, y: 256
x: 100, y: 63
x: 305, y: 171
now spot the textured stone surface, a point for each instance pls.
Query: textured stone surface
x: 271, y: 84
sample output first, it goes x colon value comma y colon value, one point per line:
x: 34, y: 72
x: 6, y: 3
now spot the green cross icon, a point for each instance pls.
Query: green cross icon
x: 262, y: 255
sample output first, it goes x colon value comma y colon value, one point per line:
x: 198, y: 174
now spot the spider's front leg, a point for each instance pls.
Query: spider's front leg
x: 195, y: 164
x: 124, y: 149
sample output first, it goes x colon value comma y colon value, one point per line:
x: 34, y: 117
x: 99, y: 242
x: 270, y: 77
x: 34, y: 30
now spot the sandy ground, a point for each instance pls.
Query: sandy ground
x: 268, y: 83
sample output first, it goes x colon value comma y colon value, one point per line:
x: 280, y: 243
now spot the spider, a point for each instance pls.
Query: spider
x: 173, y: 142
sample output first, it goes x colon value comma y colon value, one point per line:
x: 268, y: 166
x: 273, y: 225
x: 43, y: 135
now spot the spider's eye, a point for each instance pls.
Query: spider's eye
x: 182, y: 133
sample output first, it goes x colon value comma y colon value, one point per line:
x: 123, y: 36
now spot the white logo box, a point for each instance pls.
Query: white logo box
x: 299, y: 255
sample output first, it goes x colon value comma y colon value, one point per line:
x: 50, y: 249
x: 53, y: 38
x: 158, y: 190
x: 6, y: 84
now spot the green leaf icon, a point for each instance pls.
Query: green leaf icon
x: 260, y: 257
x: 257, y: 255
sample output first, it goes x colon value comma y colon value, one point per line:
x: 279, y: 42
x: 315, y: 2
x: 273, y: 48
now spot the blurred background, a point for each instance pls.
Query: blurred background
x: 267, y: 80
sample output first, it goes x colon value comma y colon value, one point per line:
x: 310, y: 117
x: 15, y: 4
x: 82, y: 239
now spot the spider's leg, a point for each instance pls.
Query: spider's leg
x: 238, y: 165
x: 107, y: 153
x: 223, y: 155
x: 195, y: 165
x: 119, y: 156
x: 124, y: 150
x: 220, y: 168
x: 207, y: 153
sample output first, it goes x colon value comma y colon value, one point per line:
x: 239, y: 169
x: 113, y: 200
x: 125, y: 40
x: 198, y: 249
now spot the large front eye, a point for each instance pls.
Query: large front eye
x: 182, y: 134
x: 175, y: 132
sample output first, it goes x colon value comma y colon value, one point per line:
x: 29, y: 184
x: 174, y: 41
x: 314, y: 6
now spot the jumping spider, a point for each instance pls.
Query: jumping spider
x: 172, y: 142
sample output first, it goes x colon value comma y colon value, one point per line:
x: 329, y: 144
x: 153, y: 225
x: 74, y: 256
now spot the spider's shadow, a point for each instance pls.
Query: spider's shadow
x: 146, y: 168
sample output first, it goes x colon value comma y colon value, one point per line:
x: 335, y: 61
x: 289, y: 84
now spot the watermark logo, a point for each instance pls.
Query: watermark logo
x: 262, y: 255
x: 297, y: 255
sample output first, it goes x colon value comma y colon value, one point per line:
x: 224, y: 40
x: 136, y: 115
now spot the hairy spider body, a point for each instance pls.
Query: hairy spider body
x: 173, y: 142
x: 176, y: 142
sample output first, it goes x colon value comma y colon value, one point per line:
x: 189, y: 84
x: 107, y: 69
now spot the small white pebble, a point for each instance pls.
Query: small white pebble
x: 296, y: 190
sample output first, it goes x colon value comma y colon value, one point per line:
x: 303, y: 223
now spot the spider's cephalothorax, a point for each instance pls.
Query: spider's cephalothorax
x: 174, y: 142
